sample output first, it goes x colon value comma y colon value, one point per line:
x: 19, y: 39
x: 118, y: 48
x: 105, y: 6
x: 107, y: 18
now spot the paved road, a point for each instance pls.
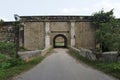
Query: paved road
x: 61, y: 66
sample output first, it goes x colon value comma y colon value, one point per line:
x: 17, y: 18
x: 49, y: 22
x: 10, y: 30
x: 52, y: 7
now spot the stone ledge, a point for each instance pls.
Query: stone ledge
x: 29, y: 55
x: 111, y: 56
x: 85, y: 53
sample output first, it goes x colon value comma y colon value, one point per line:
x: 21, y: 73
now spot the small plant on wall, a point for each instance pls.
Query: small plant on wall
x: 1, y: 22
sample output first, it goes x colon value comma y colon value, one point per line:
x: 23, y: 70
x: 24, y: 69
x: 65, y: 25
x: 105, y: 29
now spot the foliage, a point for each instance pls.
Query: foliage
x: 7, y: 48
x: 109, y: 68
x: 3, y: 57
x: 102, y: 17
x: 11, y: 62
x: 7, y: 62
x: 110, y: 35
x: 108, y: 32
x: 17, y: 67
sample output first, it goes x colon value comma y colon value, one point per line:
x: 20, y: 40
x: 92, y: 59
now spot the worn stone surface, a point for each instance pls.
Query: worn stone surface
x: 72, y: 31
x: 77, y: 29
x: 34, y: 35
x: 85, y: 53
x: 6, y: 32
x: 84, y: 35
x: 110, y: 56
x: 57, y: 28
x: 29, y: 55
x: 47, y: 34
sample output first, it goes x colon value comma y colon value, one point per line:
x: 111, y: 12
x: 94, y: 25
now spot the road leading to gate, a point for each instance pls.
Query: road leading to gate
x: 61, y: 66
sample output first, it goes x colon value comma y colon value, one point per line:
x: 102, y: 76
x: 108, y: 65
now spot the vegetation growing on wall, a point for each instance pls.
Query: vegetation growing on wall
x: 1, y: 22
x: 108, y: 30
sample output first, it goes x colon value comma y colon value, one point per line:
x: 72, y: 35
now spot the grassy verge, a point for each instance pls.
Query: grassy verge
x: 109, y: 68
x: 7, y: 74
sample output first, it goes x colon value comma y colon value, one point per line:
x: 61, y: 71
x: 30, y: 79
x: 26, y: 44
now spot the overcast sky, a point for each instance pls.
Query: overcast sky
x: 55, y: 7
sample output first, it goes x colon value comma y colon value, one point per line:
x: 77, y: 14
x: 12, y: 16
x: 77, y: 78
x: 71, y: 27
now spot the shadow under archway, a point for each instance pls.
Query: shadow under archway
x: 64, y: 42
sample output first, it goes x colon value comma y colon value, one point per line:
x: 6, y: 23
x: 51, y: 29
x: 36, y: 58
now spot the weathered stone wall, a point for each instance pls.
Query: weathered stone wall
x: 77, y: 29
x: 1, y: 32
x: 60, y: 28
x: 34, y: 35
x: 6, y: 32
x: 84, y: 35
x: 60, y: 39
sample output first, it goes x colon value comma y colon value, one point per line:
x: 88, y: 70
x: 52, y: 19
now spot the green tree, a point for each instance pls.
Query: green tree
x: 108, y: 30
x: 102, y: 17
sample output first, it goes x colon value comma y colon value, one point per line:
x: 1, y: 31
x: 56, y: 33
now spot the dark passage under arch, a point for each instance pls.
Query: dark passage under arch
x: 60, y: 41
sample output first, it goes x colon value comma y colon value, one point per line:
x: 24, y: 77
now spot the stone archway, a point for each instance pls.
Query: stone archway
x: 60, y: 41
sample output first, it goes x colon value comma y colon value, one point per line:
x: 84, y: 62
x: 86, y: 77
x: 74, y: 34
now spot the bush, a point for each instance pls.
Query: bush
x: 7, y: 48
x: 11, y: 63
x: 111, y: 67
x: 3, y: 57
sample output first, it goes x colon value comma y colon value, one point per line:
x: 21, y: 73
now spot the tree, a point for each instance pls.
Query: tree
x: 108, y: 32
x: 110, y: 35
x: 102, y: 17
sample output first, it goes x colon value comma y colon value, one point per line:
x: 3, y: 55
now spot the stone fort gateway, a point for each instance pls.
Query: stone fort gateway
x: 39, y: 32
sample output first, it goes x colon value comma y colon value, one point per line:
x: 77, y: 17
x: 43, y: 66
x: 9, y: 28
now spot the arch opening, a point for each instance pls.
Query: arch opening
x: 60, y: 41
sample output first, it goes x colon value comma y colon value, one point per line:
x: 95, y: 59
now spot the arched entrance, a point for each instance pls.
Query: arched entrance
x: 60, y: 41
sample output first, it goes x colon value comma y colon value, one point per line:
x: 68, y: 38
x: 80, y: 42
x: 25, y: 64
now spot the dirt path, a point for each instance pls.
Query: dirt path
x: 61, y: 66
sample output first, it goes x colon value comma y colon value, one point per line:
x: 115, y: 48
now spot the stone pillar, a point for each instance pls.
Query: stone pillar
x: 72, y: 34
x: 47, y: 34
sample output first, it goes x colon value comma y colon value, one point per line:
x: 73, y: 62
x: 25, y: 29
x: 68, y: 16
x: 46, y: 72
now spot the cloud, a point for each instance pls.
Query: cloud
x: 107, y: 6
x: 91, y: 8
x: 70, y: 11
x: 74, y: 11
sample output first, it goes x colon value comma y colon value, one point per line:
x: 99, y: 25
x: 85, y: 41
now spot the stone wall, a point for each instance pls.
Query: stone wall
x: 84, y: 53
x: 84, y: 35
x: 111, y: 56
x: 60, y: 39
x: 60, y: 28
x: 34, y: 35
x: 1, y: 32
x: 6, y: 32
x: 77, y: 29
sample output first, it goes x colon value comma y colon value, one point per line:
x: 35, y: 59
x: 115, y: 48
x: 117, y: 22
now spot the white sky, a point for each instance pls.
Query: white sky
x: 55, y: 7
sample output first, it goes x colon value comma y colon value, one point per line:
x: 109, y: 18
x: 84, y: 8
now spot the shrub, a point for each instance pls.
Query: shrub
x: 11, y: 63
x: 7, y: 48
x: 3, y: 57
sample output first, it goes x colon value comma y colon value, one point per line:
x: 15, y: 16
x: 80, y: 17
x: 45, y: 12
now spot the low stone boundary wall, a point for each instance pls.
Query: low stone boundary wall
x: 29, y: 55
x: 85, y: 53
x: 110, y: 56
x: 105, y: 56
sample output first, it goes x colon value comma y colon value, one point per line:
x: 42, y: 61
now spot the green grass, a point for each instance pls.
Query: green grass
x: 59, y: 43
x: 3, y: 57
x: 7, y: 74
x: 10, y: 72
x: 112, y: 68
